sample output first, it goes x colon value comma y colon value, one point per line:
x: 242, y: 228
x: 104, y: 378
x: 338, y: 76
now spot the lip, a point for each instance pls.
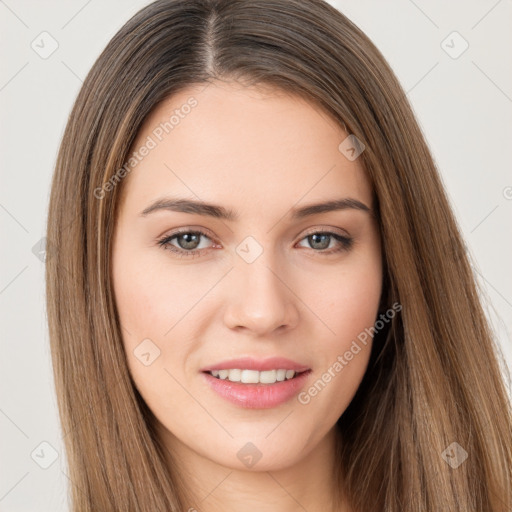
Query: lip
x: 257, y: 396
x: 251, y: 363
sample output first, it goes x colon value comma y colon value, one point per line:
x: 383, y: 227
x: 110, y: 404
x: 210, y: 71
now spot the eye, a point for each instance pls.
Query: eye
x: 188, y: 242
x: 322, y: 240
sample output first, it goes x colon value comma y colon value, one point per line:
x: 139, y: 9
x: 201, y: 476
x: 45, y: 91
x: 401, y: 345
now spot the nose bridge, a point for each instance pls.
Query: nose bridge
x: 260, y: 298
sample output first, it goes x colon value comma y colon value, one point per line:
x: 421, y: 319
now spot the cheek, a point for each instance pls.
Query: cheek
x: 147, y: 311
x: 347, y: 305
x: 347, y: 301
x: 140, y: 308
x: 149, y: 297
x: 155, y: 304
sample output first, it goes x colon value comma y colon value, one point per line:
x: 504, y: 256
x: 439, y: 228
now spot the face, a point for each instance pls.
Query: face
x: 254, y: 277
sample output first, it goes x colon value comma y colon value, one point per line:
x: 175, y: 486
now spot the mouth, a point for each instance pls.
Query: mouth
x: 254, y: 383
x: 253, y: 389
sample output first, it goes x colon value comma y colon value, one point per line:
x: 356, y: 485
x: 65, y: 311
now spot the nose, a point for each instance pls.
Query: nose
x: 261, y: 299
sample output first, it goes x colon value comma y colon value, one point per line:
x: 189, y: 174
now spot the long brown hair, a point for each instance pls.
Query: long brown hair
x: 434, y: 377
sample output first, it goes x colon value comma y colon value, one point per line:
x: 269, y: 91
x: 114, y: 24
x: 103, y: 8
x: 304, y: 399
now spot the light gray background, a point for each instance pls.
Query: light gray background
x: 464, y: 106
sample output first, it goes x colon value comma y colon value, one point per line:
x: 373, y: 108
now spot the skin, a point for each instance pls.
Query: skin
x: 260, y: 152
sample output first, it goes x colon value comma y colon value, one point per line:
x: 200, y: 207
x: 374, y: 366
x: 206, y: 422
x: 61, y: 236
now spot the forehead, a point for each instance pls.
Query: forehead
x: 245, y: 147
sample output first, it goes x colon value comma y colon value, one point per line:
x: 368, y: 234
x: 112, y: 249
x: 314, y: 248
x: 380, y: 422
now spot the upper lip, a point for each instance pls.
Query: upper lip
x: 251, y: 363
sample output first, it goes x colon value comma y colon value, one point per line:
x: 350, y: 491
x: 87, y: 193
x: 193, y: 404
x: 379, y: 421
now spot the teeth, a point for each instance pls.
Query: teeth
x: 253, y: 376
x: 223, y: 374
x: 250, y: 376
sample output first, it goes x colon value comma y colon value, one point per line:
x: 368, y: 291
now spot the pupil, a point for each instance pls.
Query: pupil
x: 326, y: 239
x: 187, y: 237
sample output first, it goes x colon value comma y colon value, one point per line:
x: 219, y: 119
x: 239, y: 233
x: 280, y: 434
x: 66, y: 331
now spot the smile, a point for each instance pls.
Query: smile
x: 256, y: 389
x: 254, y: 376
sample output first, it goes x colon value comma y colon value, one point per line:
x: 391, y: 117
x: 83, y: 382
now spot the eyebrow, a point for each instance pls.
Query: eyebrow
x: 219, y: 212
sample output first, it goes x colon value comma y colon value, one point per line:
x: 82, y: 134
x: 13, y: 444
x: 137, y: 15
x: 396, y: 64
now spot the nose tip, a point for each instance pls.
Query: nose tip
x: 260, y: 301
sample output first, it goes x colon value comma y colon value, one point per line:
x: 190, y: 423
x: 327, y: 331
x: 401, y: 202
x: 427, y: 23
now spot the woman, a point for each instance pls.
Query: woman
x: 261, y: 297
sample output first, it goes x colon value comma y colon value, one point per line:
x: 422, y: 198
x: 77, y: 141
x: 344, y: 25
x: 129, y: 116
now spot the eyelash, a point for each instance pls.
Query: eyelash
x: 164, y: 242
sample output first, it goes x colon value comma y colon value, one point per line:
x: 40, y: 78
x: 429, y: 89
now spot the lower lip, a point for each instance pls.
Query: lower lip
x: 257, y: 396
